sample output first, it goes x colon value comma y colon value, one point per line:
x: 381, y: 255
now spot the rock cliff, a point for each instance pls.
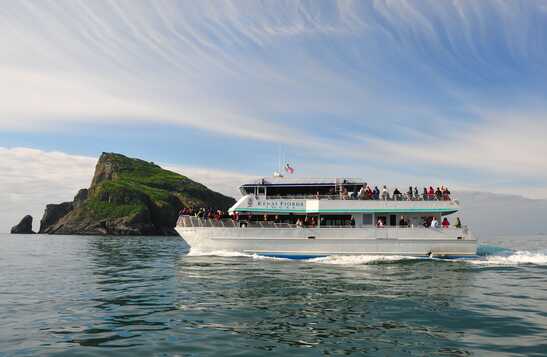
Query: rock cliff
x: 129, y: 197
x: 24, y: 227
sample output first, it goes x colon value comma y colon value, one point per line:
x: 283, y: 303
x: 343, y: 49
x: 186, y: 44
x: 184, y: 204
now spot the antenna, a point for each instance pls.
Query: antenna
x: 278, y: 172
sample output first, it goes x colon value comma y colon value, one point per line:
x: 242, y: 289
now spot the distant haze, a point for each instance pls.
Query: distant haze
x: 490, y: 214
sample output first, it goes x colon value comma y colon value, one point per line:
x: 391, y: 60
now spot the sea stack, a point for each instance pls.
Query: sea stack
x: 129, y: 197
x: 24, y: 227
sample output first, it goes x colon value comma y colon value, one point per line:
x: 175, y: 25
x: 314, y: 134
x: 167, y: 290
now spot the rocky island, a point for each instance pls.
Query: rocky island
x: 129, y: 197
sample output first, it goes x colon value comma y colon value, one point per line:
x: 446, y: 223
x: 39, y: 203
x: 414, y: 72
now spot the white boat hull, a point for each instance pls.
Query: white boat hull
x: 317, y: 242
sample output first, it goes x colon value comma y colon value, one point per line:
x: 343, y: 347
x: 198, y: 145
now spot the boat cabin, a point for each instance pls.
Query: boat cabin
x: 336, y: 202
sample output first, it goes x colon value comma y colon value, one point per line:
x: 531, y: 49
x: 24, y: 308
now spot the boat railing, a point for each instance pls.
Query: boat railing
x: 193, y: 221
x: 401, y: 197
x: 197, y: 222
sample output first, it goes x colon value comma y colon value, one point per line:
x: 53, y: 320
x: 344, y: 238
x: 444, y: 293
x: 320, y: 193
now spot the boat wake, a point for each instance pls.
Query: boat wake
x: 513, y: 258
x: 486, y: 256
x: 361, y: 259
x: 502, y: 258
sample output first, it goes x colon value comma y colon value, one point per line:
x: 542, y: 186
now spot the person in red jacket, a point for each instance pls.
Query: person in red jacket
x: 445, y: 223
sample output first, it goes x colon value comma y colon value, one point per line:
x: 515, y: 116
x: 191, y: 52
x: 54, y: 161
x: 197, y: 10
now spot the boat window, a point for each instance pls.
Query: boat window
x: 367, y: 219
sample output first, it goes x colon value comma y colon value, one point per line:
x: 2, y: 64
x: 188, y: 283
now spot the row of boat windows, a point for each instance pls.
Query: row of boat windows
x: 392, y: 220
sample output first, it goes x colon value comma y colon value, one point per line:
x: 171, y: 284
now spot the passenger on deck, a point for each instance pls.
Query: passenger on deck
x: 431, y: 193
x: 385, y: 193
x: 299, y: 223
x: 416, y: 195
x: 425, y: 195
x: 380, y: 223
x: 438, y: 194
x: 403, y: 222
x: 376, y: 193
x: 446, y: 194
x: 458, y: 223
x: 434, y: 223
x: 397, y: 194
x: 445, y: 223
x: 369, y: 194
x: 344, y: 194
x: 409, y: 193
x: 362, y: 193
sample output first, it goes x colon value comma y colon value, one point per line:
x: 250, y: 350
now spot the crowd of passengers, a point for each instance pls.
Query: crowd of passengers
x: 365, y: 192
x: 204, y: 212
x: 428, y: 222
x: 307, y: 221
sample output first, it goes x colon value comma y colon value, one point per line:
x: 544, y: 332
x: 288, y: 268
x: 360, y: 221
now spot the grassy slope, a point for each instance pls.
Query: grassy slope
x: 137, y: 183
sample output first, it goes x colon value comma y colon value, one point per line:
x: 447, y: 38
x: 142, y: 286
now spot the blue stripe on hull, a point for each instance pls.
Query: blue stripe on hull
x: 308, y: 256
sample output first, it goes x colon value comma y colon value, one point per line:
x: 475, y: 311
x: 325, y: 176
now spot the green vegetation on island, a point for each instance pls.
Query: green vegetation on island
x: 129, y: 197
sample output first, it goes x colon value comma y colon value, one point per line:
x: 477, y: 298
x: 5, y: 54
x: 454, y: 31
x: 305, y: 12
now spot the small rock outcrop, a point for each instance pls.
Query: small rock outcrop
x: 129, y: 197
x: 24, y: 227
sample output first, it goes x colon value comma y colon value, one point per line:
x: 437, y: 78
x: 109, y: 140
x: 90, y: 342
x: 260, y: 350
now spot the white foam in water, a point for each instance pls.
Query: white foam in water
x: 216, y: 253
x: 359, y: 259
x: 228, y: 254
x: 518, y: 257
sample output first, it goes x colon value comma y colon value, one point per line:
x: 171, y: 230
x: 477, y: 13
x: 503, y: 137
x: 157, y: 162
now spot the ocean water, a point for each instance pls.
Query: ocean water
x: 146, y: 296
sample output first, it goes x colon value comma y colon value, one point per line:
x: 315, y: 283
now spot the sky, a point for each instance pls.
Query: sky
x: 396, y: 92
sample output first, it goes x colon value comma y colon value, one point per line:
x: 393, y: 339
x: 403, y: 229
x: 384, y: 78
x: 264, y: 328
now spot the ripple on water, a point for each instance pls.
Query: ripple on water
x: 144, y: 296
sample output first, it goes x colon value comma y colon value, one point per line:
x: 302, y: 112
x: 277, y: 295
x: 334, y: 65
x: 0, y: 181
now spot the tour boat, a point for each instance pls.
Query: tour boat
x: 309, y: 218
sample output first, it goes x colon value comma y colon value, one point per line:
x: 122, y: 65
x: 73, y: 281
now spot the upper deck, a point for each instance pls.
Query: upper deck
x: 338, y: 195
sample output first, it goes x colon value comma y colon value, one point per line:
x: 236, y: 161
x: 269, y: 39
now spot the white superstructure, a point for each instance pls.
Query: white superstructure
x: 319, y: 217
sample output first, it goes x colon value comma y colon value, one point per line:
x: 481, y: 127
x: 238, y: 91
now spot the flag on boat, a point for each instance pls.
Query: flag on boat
x: 289, y: 169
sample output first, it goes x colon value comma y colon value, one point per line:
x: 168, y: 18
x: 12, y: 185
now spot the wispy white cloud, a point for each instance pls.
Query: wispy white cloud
x: 33, y: 178
x: 309, y: 74
x: 503, y: 144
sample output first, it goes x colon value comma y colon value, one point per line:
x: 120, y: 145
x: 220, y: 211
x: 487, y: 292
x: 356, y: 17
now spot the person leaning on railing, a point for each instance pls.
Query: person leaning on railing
x: 385, y: 193
x: 445, y: 223
x: 380, y: 223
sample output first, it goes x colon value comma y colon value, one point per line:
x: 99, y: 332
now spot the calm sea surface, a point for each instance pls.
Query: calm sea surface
x: 96, y: 296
